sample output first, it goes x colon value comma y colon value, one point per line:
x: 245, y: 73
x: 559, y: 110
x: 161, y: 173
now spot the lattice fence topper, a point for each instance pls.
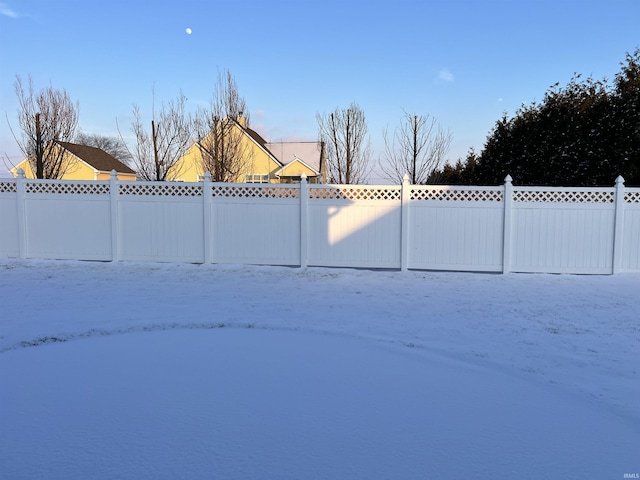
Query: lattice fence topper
x: 632, y: 197
x: 254, y: 191
x: 63, y: 188
x: 554, y: 196
x: 458, y: 195
x: 160, y: 189
x: 354, y: 193
x: 8, y: 187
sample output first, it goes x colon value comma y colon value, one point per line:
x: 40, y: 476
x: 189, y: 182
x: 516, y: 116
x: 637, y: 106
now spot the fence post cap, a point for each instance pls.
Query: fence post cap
x: 508, y: 179
x: 207, y: 176
x: 620, y: 180
x: 114, y: 174
x: 303, y: 177
x: 405, y: 178
x: 20, y: 173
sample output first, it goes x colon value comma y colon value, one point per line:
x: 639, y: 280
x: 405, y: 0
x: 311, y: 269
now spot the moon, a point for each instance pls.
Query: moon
x: 188, y: 30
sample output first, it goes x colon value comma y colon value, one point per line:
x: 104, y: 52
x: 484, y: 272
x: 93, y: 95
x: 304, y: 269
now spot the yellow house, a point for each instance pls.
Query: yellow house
x: 84, y: 163
x: 263, y: 162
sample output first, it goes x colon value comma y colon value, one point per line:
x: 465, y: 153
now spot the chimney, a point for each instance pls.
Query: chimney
x: 242, y: 120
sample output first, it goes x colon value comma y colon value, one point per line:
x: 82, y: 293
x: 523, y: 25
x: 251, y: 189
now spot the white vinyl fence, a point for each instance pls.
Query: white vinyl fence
x: 489, y: 229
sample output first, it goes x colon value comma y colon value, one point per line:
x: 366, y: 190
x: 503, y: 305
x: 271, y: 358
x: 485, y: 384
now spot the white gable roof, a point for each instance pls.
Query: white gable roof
x: 278, y: 173
x: 287, y: 152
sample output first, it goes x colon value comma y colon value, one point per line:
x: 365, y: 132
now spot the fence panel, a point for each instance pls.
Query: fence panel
x: 456, y: 228
x: 560, y: 230
x: 67, y: 220
x: 160, y: 222
x: 357, y: 226
x: 255, y: 224
x: 631, y: 234
x: 9, y: 238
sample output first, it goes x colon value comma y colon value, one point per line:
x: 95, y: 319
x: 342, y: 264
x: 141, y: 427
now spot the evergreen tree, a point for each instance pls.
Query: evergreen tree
x: 460, y: 174
x: 584, y: 134
x: 627, y: 115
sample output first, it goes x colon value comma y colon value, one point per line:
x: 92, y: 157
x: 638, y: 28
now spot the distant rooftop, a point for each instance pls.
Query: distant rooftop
x: 286, y: 152
x: 96, y: 157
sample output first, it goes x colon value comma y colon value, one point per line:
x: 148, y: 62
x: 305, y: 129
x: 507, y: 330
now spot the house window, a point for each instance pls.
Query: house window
x: 298, y: 179
x: 255, y: 178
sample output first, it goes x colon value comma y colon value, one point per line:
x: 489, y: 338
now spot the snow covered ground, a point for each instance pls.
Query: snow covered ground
x: 135, y: 371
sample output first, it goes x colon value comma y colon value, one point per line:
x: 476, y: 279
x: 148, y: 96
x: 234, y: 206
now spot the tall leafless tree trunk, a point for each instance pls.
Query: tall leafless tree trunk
x: 45, y: 118
x: 417, y: 149
x: 157, y: 153
x: 225, y: 153
x: 344, y: 136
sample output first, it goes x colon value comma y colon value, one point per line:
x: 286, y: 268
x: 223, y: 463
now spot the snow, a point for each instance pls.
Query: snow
x: 134, y: 371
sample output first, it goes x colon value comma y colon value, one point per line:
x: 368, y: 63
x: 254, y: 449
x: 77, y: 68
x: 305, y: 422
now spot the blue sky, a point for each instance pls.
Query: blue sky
x: 464, y: 62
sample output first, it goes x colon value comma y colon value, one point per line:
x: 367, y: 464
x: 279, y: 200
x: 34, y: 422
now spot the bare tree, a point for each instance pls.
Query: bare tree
x: 225, y: 154
x: 344, y: 136
x: 45, y: 118
x: 417, y: 149
x: 112, y: 145
x: 157, y: 153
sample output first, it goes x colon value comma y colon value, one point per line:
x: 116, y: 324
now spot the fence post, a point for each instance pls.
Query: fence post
x: 618, y: 225
x: 22, y: 217
x: 206, y: 209
x: 507, y: 233
x: 304, y: 221
x: 115, y: 230
x: 405, y: 195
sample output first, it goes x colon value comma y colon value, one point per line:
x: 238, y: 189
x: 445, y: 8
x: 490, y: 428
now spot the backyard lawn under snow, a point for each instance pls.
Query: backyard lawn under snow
x: 149, y: 371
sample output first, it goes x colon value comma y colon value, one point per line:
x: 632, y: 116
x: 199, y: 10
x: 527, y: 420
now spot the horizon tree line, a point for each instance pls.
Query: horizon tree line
x: 581, y: 134
x: 161, y: 141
